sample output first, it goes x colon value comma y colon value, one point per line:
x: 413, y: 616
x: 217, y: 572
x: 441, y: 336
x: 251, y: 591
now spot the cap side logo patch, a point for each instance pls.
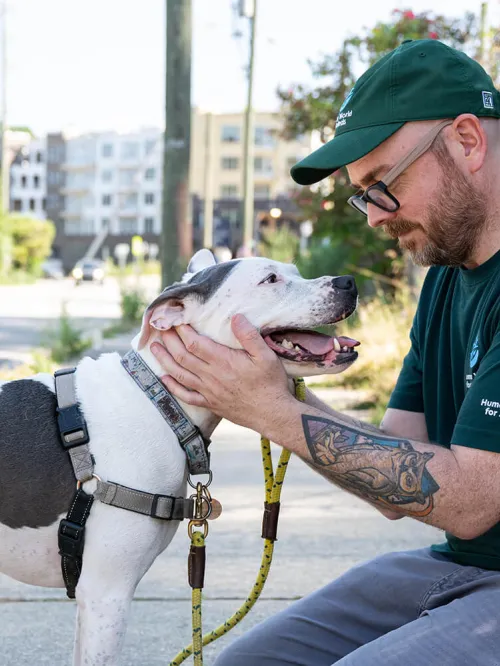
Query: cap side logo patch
x: 488, y: 100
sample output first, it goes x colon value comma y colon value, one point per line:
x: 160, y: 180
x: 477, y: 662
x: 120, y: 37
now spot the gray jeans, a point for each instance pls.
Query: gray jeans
x: 414, y: 608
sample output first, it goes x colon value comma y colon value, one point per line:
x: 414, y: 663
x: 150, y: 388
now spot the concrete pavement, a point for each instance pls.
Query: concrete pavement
x: 323, y: 531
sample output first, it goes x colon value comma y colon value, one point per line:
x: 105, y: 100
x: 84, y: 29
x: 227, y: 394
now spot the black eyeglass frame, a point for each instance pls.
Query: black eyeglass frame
x: 360, y: 201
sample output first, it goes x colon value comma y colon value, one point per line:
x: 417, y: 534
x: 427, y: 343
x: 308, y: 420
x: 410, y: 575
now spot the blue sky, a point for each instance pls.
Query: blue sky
x: 99, y: 64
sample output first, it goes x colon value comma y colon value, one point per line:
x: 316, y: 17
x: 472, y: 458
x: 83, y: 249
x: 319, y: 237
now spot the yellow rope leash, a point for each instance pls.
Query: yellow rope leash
x: 273, y: 485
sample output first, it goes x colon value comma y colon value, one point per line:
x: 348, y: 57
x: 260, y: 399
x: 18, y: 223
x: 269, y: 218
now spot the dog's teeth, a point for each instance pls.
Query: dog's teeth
x: 345, y: 348
x: 336, y: 344
x: 287, y: 344
x: 297, y: 348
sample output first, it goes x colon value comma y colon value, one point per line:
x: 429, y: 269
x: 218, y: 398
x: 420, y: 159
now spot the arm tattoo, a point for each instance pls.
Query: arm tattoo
x: 383, y: 470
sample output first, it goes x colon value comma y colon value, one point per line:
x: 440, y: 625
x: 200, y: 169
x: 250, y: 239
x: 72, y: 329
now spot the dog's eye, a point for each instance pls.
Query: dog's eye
x: 270, y: 279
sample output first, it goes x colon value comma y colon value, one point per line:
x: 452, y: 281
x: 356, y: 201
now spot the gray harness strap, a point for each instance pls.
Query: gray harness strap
x: 72, y: 426
x: 190, y: 438
x: 164, y: 507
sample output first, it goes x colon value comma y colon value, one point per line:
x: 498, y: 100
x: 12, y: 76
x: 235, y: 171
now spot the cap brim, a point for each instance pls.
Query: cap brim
x: 341, y: 150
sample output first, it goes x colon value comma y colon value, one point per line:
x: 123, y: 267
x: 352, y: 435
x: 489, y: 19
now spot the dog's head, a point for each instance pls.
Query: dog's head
x: 273, y: 296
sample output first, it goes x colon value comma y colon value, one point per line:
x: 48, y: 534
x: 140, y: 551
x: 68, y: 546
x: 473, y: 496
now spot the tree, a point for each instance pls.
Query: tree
x: 31, y: 240
x: 340, y: 231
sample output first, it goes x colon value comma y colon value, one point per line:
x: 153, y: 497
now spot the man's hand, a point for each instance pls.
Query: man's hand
x: 248, y: 386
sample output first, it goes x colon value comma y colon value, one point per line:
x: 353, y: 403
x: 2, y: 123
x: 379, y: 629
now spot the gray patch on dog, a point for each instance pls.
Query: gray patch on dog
x: 36, y: 478
x: 203, y: 284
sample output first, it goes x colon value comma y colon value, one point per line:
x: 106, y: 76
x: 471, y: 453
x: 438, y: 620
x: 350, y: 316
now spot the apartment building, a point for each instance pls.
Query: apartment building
x: 28, y: 179
x: 109, y: 185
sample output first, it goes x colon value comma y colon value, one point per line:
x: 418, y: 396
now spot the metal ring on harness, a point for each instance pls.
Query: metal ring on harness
x: 94, y: 476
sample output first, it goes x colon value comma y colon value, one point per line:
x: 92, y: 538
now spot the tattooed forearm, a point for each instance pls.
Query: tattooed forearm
x: 383, y: 470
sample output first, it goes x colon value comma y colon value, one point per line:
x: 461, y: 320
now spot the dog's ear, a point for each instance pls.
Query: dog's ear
x: 165, y: 311
x: 202, y: 259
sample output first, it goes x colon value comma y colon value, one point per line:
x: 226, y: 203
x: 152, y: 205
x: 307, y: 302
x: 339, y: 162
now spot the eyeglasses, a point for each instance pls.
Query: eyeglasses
x: 378, y: 194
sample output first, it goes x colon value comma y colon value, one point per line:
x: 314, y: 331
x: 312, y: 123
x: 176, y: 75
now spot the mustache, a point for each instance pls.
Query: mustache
x: 400, y: 227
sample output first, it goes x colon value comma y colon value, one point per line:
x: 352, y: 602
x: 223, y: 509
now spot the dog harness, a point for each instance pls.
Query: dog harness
x: 75, y: 440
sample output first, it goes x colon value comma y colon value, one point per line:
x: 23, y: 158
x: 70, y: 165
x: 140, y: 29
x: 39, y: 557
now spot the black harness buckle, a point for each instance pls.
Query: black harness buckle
x: 72, y: 427
x: 70, y: 538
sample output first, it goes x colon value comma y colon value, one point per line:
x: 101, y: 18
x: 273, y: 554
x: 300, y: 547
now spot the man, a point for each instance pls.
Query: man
x: 420, y: 136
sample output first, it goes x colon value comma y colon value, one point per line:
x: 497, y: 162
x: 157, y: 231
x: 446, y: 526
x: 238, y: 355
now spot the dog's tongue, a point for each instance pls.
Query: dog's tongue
x: 315, y: 343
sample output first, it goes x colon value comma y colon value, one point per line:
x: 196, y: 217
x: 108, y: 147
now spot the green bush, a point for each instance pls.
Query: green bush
x: 67, y: 342
x: 133, y: 304
x: 382, y: 326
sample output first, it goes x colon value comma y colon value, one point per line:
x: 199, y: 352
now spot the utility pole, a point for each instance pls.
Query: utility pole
x: 249, y: 9
x: 4, y: 166
x: 176, y: 239
x: 483, y: 31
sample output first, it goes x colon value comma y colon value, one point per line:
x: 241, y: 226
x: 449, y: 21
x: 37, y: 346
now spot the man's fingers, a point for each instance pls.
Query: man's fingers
x: 199, y: 345
x: 184, y: 394
x: 249, y: 337
x: 178, y: 350
x: 181, y: 374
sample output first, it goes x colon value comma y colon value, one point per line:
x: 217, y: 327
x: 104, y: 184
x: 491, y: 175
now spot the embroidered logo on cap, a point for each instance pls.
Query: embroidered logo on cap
x: 488, y: 100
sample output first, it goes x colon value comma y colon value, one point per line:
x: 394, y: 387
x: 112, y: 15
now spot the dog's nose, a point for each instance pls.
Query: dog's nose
x: 345, y: 283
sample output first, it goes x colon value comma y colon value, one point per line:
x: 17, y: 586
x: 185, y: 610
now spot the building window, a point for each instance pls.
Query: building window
x: 130, y: 149
x: 130, y: 200
x: 149, y: 225
x: 44, y: 203
x: 105, y: 223
x: 39, y: 157
x: 127, y: 176
x: 32, y: 204
x: 230, y: 134
x: 229, y: 163
x: 24, y: 181
x: 264, y: 136
x: 263, y: 165
x: 150, y: 145
x: 36, y: 181
x: 107, y: 176
x: 106, y: 199
x: 149, y: 198
x: 107, y: 150
x: 262, y: 192
x: 150, y: 173
x: 128, y: 225
x: 229, y: 191
x: 17, y: 204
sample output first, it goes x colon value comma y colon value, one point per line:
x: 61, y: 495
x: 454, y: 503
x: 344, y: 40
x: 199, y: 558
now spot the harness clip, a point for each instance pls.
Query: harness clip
x: 72, y: 427
x: 70, y: 538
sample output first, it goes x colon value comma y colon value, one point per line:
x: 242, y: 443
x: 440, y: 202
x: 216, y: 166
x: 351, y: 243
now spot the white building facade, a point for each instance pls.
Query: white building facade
x: 28, y: 180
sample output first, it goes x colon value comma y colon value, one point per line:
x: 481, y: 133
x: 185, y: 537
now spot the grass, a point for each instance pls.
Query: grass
x: 382, y: 328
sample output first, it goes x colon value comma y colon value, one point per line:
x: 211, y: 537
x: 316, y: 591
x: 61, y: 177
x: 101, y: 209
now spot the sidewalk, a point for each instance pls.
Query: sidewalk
x: 323, y: 531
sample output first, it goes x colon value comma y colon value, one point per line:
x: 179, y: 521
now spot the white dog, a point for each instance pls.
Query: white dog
x: 130, y: 441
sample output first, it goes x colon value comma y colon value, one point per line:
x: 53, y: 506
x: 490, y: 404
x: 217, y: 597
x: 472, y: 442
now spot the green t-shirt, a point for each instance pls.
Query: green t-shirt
x: 452, y: 375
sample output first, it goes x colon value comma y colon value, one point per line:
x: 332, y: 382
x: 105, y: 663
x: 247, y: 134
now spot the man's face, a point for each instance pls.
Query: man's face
x: 441, y: 211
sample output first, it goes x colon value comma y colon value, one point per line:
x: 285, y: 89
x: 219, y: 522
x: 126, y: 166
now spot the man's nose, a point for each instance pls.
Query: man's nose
x: 377, y: 217
x: 345, y: 283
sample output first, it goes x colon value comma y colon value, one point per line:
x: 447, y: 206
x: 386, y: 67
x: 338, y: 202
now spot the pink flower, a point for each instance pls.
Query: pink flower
x: 409, y: 15
x: 433, y: 35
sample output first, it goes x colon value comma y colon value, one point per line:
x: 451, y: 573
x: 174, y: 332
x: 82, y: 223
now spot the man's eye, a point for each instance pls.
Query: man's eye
x: 270, y: 279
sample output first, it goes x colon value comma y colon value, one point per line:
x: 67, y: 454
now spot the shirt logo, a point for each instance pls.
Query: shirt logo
x: 474, y: 354
x: 488, y: 100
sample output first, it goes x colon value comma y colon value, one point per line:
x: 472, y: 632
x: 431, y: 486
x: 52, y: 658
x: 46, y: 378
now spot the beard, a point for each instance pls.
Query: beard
x: 454, y: 221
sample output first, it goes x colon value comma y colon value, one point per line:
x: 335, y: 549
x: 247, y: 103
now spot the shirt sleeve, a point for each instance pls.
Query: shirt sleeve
x: 478, y: 423
x: 408, y: 394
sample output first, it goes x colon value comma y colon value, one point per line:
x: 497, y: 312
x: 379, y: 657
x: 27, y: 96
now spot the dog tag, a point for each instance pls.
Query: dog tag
x: 216, y: 509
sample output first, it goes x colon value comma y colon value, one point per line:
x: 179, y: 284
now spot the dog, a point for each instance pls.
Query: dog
x: 131, y: 442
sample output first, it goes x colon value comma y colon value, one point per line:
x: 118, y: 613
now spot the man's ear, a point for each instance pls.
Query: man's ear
x: 165, y: 315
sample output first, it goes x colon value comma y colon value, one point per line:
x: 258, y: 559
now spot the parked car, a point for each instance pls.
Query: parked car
x: 92, y: 270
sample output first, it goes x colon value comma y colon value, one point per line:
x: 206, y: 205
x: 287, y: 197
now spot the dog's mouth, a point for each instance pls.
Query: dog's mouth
x: 302, y: 346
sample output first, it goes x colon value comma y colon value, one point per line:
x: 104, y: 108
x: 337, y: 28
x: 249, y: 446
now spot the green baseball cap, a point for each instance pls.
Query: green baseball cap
x: 421, y: 79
